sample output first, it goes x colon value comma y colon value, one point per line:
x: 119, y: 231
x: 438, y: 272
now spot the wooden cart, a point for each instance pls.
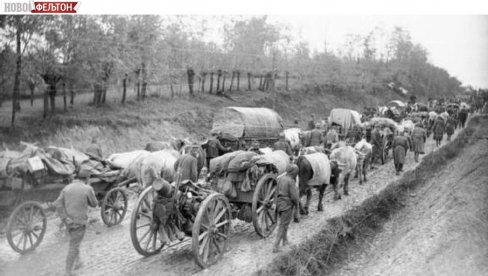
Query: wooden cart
x: 205, y: 215
x: 30, y: 198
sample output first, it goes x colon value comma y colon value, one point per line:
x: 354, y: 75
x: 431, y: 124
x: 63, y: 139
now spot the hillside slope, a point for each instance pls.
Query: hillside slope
x: 131, y: 126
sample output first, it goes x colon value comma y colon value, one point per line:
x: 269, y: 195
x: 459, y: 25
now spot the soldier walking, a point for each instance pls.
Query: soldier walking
x: 286, y: 199
x: 72, y: 207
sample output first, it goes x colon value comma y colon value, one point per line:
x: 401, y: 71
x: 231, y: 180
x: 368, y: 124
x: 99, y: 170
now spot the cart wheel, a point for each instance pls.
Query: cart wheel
x: 142, y: 232
x: 26, y: 227
x: 264, y: 215
x: 385, y: 150
x: 114, y: 206
x: 211, y: 230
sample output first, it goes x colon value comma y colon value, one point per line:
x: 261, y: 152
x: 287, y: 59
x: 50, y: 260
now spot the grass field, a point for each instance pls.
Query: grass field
x: 160, y: 117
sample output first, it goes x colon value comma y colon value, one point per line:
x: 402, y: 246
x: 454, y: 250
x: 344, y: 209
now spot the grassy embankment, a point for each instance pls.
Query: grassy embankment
x: 350, y: 232
x: 130, y: 126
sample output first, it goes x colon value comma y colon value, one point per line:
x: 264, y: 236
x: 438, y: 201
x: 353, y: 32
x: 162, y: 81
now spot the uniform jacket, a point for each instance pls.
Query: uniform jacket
x: 214, y: 147
x: 287, y: 196
x: 315, y: 138
x: 73, y: 202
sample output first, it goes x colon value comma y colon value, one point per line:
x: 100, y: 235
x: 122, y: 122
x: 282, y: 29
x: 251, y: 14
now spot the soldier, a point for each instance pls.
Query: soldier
x: 400, y: 147
x: 419, y: 136
x: 311, y: 123
x: 331, y: 137
x: 94, y: 149
x: 377, y: 142
x: 286, y: 199
x: 315, y: 137
x: 72, y: 207
x: 214, y: 148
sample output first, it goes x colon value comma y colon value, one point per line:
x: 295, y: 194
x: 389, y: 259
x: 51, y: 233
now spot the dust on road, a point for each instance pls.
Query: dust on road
x: 109, y: 251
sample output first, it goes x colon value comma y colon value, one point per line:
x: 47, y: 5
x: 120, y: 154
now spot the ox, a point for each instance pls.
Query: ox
x: 315, y: 170
x: 293, y: 136
x: 175, y: 144
x: 346, y: 159
x: 158, y: 164
x: 364, y: 151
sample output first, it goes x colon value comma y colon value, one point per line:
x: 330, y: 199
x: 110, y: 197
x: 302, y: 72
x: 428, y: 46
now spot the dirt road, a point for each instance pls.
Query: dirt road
x: 108, y: 251
x: 441, y: 231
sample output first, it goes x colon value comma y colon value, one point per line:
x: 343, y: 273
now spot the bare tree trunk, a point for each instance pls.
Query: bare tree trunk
x: 171, y: 80
x: 261, y: 82
x: 219, y: 74
x: 72, y: 94
x: 249, y: 76
x: 222, y: 88
x: 18, y: 67
x: 232, y: 81
x: 211, y: 82
x: 32, y: 88
x: 204, y: 76
x: 124, y: 91
x: 52, y: 96
x: 144, y: 81
x: 104, y: 92
x: 238, y: 79
x: 286, y: 87
x: 64, y: 97
x: 46, y: 102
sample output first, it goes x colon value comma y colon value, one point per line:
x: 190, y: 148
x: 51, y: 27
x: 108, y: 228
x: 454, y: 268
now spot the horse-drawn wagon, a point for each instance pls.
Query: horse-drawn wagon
x: 238, y: 127
x: 32, y: 179
x: 240, y: 184
x: 349, y: 122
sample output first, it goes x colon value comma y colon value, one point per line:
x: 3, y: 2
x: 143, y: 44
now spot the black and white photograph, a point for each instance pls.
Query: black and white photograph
x: 230, y: 140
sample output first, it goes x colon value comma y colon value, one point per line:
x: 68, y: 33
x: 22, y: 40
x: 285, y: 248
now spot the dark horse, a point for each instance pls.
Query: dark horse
x: 305, y: 174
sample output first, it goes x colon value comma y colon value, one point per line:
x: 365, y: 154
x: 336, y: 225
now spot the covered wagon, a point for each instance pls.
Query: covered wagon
x: 347, y: 119
x: 238, y: 127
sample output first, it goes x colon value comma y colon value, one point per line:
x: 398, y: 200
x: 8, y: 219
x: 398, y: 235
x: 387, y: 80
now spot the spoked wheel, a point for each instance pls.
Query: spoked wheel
x: 26, y: 227
x: 143, y: 234
x: 211, y: 230
x: 114, y: 206
x: 264, y: 214
x: 385, y: 150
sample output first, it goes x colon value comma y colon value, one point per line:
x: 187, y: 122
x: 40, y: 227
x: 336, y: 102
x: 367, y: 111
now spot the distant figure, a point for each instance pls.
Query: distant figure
x: 295, y: 124
x: 283, y: 145
x: 400, y: 148
x: 377, y: 142
x: 286, y: 199
x: 438, y: 130
x: 311, y: 123
x: 450, y: 127
x: 419, y: 136
x: 331, y: 137
x: 72, y: 207
x: 315, y: 137
x: 94, y: 149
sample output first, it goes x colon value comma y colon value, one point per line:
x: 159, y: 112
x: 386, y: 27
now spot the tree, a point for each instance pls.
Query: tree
x: 21, y: 28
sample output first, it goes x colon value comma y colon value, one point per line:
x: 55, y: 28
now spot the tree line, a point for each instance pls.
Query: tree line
x: 49, y: 55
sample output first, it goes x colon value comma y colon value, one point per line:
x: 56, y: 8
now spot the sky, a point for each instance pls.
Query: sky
x: 457, y: 43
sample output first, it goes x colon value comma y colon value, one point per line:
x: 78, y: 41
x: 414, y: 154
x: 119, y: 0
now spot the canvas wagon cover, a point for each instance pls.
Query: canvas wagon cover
x: 247, y: 122
x: 347, y: 118
x: 396, y: 104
